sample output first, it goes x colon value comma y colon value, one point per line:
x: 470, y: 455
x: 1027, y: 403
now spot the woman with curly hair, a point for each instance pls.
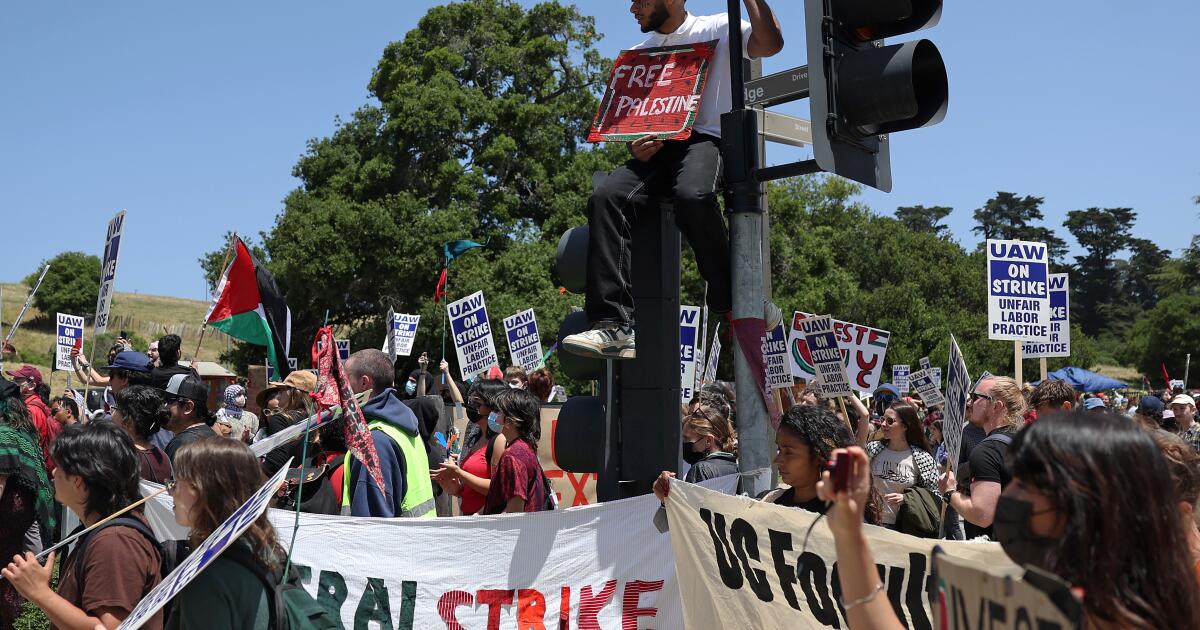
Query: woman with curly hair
x: 25, y: 494
x: 214, y: 476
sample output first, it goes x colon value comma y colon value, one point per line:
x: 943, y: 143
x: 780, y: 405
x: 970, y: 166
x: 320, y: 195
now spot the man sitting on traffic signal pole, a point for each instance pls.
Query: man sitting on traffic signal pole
x: 688, y: 171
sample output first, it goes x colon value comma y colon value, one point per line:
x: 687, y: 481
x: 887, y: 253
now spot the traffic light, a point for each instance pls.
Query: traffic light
x: 861, y: 90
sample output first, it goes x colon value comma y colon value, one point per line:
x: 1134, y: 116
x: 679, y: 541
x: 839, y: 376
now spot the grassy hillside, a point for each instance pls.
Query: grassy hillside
x: 145, y: 317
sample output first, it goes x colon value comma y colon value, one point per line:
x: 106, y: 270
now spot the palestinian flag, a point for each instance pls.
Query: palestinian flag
x: 249, y: 307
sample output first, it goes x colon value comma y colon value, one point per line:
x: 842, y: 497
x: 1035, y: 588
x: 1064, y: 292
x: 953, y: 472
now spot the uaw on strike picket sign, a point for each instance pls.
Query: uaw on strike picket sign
x: 524, y: 344
x: 472, y: 335
x: 108, y: 270
x: 863, y: 351
x: 826, y: 357
x: 1018, y: 291
x: 653, y: 91
x: 70, y: 337
x: 689, y: 338
x: 1059, y: 343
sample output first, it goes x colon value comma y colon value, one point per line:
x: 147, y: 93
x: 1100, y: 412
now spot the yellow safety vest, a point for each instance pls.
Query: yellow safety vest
x: 418, y: 496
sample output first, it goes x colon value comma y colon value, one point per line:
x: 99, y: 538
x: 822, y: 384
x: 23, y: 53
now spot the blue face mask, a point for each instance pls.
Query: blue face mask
x: 494, y: 423
x: 410, y: 388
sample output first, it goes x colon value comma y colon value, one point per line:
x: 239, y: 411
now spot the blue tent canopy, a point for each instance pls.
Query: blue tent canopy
x: 1084, y: 380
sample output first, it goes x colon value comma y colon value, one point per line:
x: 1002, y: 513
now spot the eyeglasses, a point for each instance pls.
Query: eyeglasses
x: 976, y: 396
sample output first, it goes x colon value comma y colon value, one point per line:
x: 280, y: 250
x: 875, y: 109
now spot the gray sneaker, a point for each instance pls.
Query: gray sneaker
x: 606, y: 342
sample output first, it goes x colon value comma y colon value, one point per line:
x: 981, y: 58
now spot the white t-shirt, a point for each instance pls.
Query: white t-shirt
x: 705, y: 28
x: 893, y: 472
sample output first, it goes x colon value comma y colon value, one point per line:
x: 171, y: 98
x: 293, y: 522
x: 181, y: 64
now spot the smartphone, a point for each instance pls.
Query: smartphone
x: 840, y: 475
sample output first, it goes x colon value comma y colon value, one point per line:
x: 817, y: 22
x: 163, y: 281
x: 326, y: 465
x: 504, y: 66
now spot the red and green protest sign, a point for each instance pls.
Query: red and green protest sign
x: 653, y: 91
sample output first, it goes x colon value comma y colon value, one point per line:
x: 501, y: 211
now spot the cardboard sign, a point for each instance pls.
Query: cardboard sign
x: 472, y: 335
x: 775, y: 353
x: 922, y: 381
x: 70, y: 337
x: 822, y: 345
x: 863, y: 351
x: 343, y: 348
x: 965, y: 589
x: 958, y: 391
x: 714, y: 356
x: 1018, y: 291
x: 900, y: 378
x: 689, y: 337
x: 752, y: 564
x: 108, y: 270
x: 217, y: 542
x: 653, y: 91
x: 1059, y: 344
x: 524, y: 344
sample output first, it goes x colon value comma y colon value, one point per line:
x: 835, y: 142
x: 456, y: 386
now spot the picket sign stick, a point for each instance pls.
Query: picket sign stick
x: 204, y: 327
x: 1042, y: 362
x: 28, y: 300
x: 846, y: 416
x: 1186, y: 367
x: 97, y: 523
x: 1018, y: 359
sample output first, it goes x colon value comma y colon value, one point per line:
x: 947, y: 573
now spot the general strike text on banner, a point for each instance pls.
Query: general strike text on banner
x: 653, y: 91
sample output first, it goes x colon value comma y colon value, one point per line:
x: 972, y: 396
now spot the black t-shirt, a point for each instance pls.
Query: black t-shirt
x: 187, y: 436
x: 788, y: 498
x: 159, y: 376
x: 972, y: 435
x: 986, y: 463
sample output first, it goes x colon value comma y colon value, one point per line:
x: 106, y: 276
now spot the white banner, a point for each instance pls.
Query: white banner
x: 202, y: 556
x: 1059, y: 343
x: 1010, y: 600
x: 775, y: 353
x: 472, y: 334
x: 958, y: 391
x: 863, y: 350
x: 822, y: 348
x: 1018, y: 291
x: 524, y: 342
x: 597, y: 566
x: 689, y: 338
x: 743, y: 563
x: 108, y: 270
x: 70, y: 337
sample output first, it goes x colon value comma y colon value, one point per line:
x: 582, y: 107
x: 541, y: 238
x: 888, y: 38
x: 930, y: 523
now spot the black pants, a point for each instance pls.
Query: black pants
x: 689, y: 172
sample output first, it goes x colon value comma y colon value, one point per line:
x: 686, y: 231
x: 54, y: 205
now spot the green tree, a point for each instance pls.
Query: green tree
x: 1007, y: 216
x: 923, y: 219
x: 71, y: 285
x: 1102, y: 233
x: 1164, y: 335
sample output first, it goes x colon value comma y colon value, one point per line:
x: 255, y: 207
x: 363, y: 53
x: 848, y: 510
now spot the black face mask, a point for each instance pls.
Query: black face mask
x: 1012, y: 530
x: 690, y: 455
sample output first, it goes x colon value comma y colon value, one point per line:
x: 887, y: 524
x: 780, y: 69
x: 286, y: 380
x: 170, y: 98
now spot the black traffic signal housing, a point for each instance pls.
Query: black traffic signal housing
x: 861, y: 90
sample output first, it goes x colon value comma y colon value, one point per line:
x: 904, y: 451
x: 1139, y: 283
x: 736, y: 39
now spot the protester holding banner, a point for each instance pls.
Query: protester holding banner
x: 1094, y: 502
x: 402, y: 458
x: 996, y: 408
x: 687, y: 171
x: 900, y: 461
x: 26, y: 496
x: 482, y: 452
x: 139, y: 412
x: 213, y: 477
x: 113, y: 567
x: 519, y: 484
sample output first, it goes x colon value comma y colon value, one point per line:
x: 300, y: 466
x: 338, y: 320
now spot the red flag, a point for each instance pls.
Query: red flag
x: 333, y: 389
x: 1166, y: 377
x: 439, y: 293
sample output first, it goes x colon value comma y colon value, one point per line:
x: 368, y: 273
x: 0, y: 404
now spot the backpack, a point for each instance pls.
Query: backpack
x: 549, y: 500
x: 290, y: 606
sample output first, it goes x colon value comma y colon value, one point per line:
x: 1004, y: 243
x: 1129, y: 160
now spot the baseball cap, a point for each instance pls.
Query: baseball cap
x: 887, y: 388
x: 1183, y: 399
x: 1149, y: 404
x: 188, y: 386
x: 28, y: 372
x: 133, y: 361
x: 1094, y: 403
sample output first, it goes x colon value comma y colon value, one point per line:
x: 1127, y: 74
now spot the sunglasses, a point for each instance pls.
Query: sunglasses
x: 887, y: 422
x: 976, y: 396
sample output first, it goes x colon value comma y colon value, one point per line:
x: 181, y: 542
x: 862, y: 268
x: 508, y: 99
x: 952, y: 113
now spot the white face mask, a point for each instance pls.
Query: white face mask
x: 516, y: 385
x: 240, y: 400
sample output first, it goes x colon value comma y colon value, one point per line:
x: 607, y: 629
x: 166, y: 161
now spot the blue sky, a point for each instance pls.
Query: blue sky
x: 191, y: 116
